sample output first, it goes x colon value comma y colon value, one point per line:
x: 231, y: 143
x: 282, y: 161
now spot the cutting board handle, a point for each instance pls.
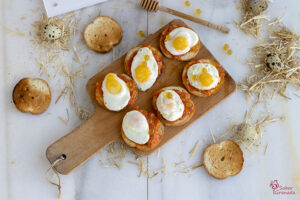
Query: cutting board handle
x: 79, y: 145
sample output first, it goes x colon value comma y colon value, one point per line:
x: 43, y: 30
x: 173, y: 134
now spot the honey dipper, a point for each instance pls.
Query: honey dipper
x: 153, y: 6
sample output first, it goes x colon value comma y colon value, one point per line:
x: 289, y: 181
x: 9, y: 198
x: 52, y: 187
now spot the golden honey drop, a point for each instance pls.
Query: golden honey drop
x: 141, y: 33
x: 168, y: 95
x: 168, y: 37
x: 225, y: 47
x: 187, y: 3
x: 194, y: 77
x: 146, y: 57
x: 198, y: 12
x: 229, y: 52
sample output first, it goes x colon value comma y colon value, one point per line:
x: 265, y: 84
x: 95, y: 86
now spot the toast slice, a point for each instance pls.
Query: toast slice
x: 133, y: 51
x: 156, y: 133
x: 142, y: 147
x: 184, y: 57
x: 180, y: 121
x: 32, y: 95
x: 223, y: 159
x: 130, y: 84
x: 196, y: 91
x: 102, y: 34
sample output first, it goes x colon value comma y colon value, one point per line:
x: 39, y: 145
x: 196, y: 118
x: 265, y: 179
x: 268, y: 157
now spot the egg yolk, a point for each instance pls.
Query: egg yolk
x: 169, y: 104
x: 205, y: 78
x: 168, y: 95
x: 180, y: 43
x: 112, y: 84
x: 194, y: 77
x: 142, y: 72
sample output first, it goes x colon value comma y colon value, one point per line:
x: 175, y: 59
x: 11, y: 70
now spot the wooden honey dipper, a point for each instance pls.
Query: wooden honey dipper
x: 153, y: 6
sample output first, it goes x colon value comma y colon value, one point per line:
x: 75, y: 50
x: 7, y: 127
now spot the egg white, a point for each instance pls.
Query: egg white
x: 116, y: 102
x: 151, y: 64
x: 189, y: 34
x: 196, y: 69
x: 135, y: 126
x: 170, y: 113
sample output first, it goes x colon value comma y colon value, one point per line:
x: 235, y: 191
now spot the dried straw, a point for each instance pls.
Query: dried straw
x: 250, y: 23
x: 283, y: 42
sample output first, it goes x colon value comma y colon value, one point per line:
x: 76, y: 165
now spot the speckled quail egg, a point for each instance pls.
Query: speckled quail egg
x: 273, y: 62
x: 247, y: 133
x: 257, y: 6
x: 51, y: 32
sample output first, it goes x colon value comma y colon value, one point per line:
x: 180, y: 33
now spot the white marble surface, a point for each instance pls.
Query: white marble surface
x: 24, y: 137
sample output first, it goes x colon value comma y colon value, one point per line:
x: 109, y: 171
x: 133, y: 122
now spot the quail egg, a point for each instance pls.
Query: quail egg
x: 257, y: 6
x: 51, y: 32
x: 274, y: 62
x: 247, y: 133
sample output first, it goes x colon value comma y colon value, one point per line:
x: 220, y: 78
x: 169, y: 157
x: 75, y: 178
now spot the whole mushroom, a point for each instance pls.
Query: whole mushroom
x: 273, y: 62
x: 257, y: 6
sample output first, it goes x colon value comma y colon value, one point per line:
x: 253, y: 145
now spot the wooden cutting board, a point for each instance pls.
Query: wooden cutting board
x: 104, y: 126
